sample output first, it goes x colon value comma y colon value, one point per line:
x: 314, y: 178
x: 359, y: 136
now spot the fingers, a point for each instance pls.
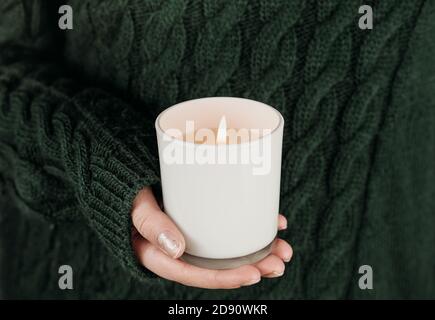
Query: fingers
x: 158, y: 243
x: 273, y: 265
x: 282, y: 249
x: 155, y: 226
x: 282, y: 222
x: 179, y: 271
x: 189, y: 275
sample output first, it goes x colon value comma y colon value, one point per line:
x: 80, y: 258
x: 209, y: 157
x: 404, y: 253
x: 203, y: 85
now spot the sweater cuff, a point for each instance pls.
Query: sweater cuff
x: 114, y: 145
x: 109, y: 215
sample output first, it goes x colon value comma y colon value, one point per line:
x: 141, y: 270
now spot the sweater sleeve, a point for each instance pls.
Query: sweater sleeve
x: 72, y: 152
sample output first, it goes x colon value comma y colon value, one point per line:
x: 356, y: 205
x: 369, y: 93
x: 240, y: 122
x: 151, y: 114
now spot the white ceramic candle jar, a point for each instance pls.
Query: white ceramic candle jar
x: 223, y: 193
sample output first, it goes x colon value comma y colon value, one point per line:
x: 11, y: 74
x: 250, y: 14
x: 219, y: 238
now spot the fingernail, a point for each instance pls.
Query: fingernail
x: 169, y: 244
x: 287, y: 259
x: 275, y: 274
x: 253, y: 281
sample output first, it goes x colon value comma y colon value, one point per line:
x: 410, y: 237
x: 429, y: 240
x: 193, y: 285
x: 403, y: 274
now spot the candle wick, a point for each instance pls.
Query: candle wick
x: 222, y: 131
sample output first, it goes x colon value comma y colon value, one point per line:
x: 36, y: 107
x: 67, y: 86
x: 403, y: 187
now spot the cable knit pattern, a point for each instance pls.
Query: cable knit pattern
x: 313, y: 120
x: 77, y: 155
x: 49, y: 138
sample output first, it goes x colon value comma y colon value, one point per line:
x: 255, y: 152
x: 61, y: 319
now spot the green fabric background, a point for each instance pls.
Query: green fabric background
x: 77, y: 139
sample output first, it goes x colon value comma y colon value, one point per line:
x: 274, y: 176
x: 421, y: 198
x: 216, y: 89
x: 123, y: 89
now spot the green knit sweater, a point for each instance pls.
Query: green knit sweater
x: 77, y: 139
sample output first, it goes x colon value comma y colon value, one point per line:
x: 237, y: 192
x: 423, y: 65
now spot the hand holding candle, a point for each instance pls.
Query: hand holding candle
x: 220, y: 162
x: 152, y: 252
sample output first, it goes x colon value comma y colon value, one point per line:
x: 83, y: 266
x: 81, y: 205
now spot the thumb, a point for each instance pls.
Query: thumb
x: 155, y: 226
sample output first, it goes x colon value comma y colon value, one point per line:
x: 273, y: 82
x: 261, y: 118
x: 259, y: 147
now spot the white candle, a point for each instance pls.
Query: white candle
x: 223, y: 195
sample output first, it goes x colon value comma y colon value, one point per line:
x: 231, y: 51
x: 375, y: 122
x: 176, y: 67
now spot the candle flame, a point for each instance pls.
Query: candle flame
x: 222, y: 131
